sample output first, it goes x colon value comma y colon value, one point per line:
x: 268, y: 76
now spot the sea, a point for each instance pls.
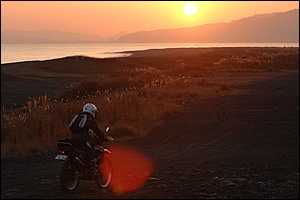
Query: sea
x: 11, y: 53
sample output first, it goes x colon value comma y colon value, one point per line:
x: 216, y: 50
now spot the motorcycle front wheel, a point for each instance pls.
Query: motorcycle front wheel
x: 69, y: 179
x: 105, y: 168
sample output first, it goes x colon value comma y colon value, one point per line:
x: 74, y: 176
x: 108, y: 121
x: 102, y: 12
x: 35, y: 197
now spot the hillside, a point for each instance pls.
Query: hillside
x: 276, y: 27
x: 46, y: 36
x: 235, y: 136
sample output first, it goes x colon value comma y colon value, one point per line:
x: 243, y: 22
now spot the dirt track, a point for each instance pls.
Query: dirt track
x: 244, y: 146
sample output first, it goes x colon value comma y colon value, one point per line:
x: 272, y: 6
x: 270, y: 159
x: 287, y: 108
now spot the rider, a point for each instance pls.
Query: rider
x: 80, y: 126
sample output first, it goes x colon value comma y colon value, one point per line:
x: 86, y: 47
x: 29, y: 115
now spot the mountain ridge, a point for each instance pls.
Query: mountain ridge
x: 269, y: 28
x: 44, y: 36
x: 274, y: 27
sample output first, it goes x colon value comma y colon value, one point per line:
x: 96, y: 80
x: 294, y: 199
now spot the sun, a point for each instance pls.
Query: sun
x: 190, y: 9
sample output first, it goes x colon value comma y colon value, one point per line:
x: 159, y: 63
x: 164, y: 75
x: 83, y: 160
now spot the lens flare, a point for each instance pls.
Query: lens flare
x: 131, y: 169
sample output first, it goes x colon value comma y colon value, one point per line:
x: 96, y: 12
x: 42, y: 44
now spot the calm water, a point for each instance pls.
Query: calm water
x: 27, y: 52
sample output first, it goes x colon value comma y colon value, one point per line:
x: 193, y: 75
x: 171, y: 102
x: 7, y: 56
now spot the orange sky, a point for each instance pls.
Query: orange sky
x: 107, y: 18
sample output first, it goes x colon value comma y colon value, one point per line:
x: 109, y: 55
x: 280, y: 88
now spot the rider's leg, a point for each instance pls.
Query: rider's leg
x: 90, y: 158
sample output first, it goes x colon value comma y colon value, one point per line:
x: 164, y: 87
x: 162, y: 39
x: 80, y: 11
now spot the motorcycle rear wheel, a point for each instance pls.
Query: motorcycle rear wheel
x: 69, y: 179
x: 106, y: 171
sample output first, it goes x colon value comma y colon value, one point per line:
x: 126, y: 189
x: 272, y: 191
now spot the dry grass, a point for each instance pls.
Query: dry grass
x: 132, y: 100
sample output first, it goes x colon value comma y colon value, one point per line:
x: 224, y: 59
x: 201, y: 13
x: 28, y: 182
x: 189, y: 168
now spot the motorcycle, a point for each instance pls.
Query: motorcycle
x: 74, y: 168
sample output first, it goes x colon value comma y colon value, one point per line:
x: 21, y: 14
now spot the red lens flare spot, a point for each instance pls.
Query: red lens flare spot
x: 62, y: 152
x: 131, y: 169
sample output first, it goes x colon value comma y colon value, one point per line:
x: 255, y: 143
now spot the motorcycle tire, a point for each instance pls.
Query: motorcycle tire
x: 69, y: 179
x: 103, y: 180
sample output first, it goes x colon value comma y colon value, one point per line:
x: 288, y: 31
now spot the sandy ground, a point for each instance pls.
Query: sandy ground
x: 242, y: 145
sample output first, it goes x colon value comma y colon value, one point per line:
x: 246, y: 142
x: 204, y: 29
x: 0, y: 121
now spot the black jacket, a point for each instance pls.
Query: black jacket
x: 90, y: 124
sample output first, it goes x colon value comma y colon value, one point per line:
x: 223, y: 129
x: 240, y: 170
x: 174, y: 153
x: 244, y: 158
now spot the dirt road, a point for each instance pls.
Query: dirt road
x: 240, y: 146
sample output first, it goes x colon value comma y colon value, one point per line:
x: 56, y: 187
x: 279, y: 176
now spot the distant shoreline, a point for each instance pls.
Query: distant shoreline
x: 14, y: 53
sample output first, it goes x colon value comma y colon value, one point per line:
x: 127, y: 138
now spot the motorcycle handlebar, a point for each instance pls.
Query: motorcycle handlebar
x: 96, y: 138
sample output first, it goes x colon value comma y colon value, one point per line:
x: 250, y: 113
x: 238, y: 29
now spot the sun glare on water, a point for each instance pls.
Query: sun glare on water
x: 190, y: 9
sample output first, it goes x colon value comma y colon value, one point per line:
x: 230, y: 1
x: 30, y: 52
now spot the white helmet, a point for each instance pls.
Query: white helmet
x: 90, y: 108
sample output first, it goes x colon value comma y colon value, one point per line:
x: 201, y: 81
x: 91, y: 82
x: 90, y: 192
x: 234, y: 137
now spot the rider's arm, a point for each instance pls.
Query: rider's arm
x: 96, y: 129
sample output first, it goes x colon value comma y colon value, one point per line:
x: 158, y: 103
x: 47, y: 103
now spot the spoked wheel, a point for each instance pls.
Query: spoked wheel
x: 69, y: 179
x: 104, y: 178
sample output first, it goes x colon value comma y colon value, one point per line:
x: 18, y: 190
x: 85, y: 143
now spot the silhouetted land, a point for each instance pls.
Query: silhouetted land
x: 240, y: 144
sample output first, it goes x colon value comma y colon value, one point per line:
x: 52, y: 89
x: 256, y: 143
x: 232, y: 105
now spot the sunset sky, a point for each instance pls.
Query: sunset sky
x: 107, y: 18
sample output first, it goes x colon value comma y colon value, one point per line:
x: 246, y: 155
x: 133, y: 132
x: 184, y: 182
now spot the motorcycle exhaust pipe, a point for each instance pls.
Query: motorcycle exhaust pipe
x: 81, y: 166
x: 79, y: 162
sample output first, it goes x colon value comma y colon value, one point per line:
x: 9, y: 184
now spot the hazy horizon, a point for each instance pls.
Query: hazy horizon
x: 110, y: 18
